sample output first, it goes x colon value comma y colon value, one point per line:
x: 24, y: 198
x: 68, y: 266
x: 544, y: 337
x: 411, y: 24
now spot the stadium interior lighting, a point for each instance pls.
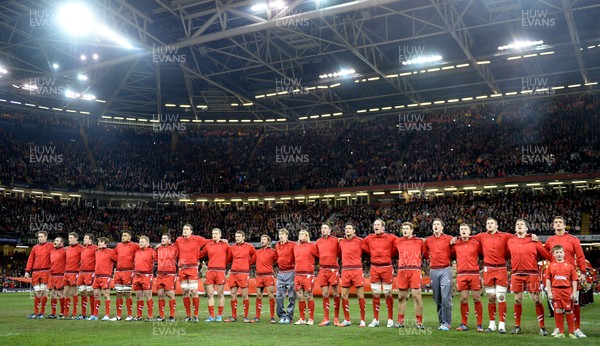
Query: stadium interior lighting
x: 3, y: 70
x: 82, y: 77
x: 521, y: 44
x: 55, y: 66
x: 273, y: 5
x: 341, y: 73
x: 95, y: 56
x: 113, y: 36
x: 82, y: 57
x: 423, y: 60
x: 76, y: 19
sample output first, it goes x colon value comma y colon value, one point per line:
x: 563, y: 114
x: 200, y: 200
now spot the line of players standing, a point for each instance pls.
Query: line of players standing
x: 86, y: 271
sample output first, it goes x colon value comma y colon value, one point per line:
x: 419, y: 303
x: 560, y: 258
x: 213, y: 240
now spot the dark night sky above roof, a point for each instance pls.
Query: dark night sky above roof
x: 215, y: 54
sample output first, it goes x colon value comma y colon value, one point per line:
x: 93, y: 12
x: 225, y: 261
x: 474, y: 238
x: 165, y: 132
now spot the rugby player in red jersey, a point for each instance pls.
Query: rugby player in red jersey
x: 85, y: 279
x: 411, y: 251
x: 380, y: 246
x: 217, y: 252
x: 305, y: 254
x: 103, y: 272
x: 58, y: 258
x: 125, y: 251
x: 524, y: 256
x: 143, y: 260
x: 266, y: 258
x: 38, y: 268
x: 241, y: 255
x: 285, y: 277
x: 439, y: 249
x: 351, y: 250
x: 495, y: 273
x: 73, y: 252
x: 329, y: 269
x: 166, y: 255
x: 467, y: 252
x: 188, y: 246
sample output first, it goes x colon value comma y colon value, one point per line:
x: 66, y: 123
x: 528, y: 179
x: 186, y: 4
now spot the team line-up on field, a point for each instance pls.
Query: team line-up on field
x: 85, y: 272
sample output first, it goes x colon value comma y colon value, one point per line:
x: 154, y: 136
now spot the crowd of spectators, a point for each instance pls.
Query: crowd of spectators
x: 22, y: 217
x: 527, y: 137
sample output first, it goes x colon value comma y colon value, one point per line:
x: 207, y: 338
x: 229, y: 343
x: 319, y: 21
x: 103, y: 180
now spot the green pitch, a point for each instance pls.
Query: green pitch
x: 15, y: 329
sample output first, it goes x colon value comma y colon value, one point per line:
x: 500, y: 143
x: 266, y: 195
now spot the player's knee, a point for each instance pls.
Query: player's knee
x: 501, y: 294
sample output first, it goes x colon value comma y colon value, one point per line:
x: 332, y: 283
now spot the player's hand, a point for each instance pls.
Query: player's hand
x: 534, y: 238
x: 575, y: 296
x: 26, y: 275
x: 453, y: 241
x: 582, y: 278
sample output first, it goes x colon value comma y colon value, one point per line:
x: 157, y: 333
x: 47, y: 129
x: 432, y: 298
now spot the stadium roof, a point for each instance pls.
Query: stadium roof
x: 234, y: 60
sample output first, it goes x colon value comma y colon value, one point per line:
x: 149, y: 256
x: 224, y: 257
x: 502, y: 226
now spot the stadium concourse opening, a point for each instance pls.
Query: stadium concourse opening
x: 314, y: 162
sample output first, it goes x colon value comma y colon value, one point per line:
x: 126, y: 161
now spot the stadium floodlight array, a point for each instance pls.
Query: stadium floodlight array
x: 75, y: 95
x: 79, y: 20
x: 273, y: 5
x: 521, y: 44
x: 423, y: 60
x: 341, y: 73
x: 3, y: 71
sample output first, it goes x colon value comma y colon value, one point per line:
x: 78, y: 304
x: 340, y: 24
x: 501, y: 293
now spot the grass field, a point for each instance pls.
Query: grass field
x: 15, y: 329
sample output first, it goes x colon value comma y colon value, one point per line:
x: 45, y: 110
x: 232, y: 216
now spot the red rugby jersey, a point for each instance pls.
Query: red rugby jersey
x: 241, y: 256
x: 467, y: 255
x: 561, y: 274
x: 285, y: 255
x: 439, y: 250
x: 58, y: 260
x: 305, y: 254
x: 351, y: 251
x: 166, y: 256
x: 73, y: 258
x: 266, y: 258
x: 524, y: 255
x: 125, y: 254
x: 410, y: 252
x: 88, y: 258
x: 217, y: 254
x: 39, y: 258
x: 380, y: 247
x: 188, y: 250
x: 328, y: 252
x: 144, y: 260
x: 105, y: 262
x: 494, y: 247
x: 573, y: 250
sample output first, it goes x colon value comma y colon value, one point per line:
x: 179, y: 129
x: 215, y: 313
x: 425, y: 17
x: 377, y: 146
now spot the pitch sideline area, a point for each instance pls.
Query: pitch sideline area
x: 16, y: 329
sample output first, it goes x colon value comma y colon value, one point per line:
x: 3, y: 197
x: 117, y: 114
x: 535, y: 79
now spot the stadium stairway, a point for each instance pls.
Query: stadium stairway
x: 86, y: 142
x: 174, y: 141
x: 585, y: 222
x: 255, y: 150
